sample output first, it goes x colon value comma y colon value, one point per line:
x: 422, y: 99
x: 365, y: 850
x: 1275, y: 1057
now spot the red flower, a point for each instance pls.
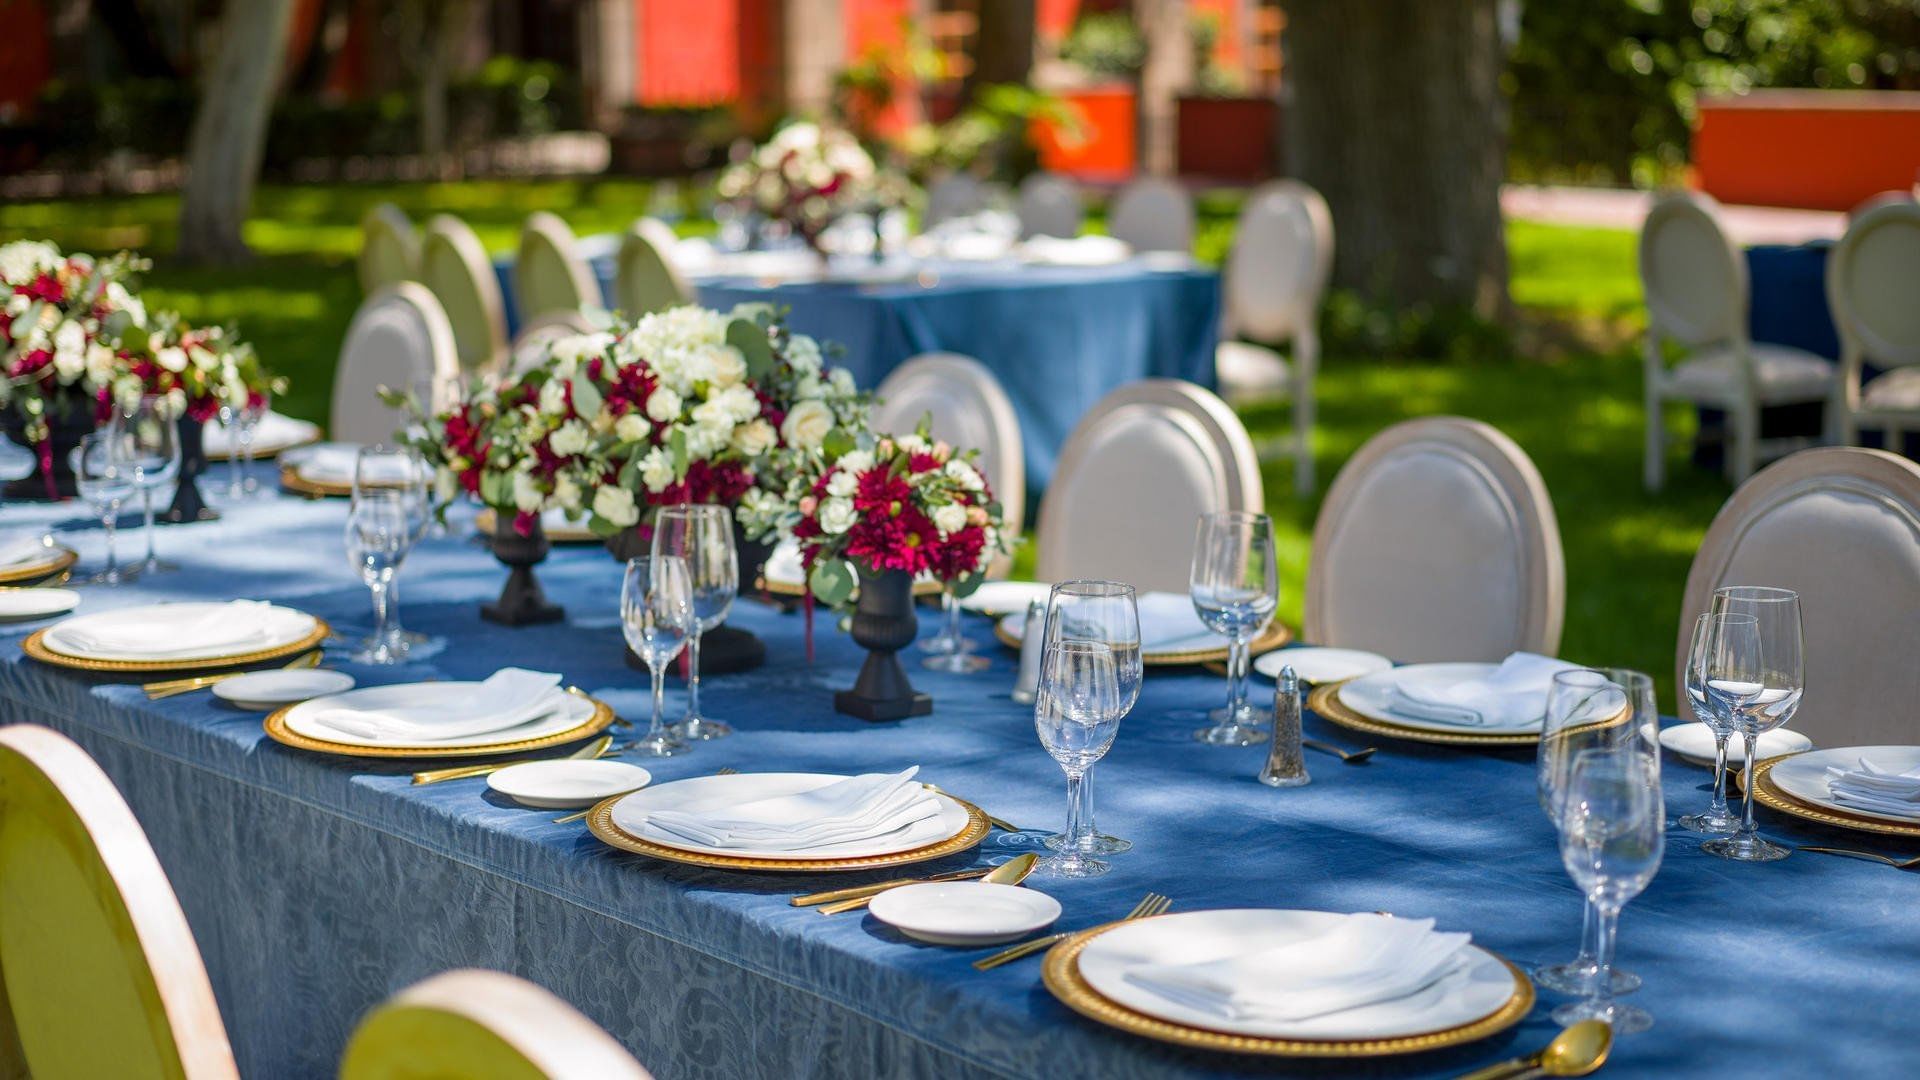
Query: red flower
x: 881, y: 493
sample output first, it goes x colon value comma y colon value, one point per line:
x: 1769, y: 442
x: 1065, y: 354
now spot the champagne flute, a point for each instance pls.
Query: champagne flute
x: 1612, y: 834
x: 1102, y: 613
x: 150, y: 432
x: 379, y: 535
x: 1077, y: 714
x: 701, y: 536
x: 105, y: 480
x: 402, y: 472
x: 1755, y: 676
x: 1716, y: 820
x: 657, y: 618
x: 1236, y: 589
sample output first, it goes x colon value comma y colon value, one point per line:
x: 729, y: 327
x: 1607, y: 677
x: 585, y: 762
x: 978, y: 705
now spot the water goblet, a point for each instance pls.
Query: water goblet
x: 105, y: 480
x: 379, y: 536
x: 701, y: 536
x: 1076, y: 712
x: 657, y: 618
x: 1235, y: 589
x: 1106, y: 613
x: 1716, y: 820
x: 1754, y: 675
x: 149, y: 431
x: 248, y: 417
x: 1612, y: 834
x: 402, y: 472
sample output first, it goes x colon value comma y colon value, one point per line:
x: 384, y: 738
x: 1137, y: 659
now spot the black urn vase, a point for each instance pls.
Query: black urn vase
x: 69, y: 420
x: 724, y: 650
x: 883, y: 624
x: 188, y: 505
x: 522, y: 602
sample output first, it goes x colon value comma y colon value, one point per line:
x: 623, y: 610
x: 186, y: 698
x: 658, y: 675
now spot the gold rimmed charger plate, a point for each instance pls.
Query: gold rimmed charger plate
x: 1773, y: 797
x: 35, y: 646
x: 602, y: 718
x: 1061, y: 974
x: 1275, y: 636
x: 291, y: 480
x: 61, y: 561
x: 600, y: 821
x: 267, y: 454
x: 794, y: 588
x: 571, y: 533
x: 1325, y: 701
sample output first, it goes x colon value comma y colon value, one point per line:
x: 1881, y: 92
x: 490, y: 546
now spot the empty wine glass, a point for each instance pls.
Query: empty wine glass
x: 105, y: 479
x: 1105, y: 613
x: 379, y: 535
x: 402, y: 472
x: 1589, y: 709
x: 1612, y: 834
x: 1716, y: 820
x: 242, y: 421
x: 702, y: 538
x: 950, y: 649
x: 149, y: 429
x: 1235, y: 588
x: 657, y: 617
x: 1754, y: 676
x: 1077, y: 712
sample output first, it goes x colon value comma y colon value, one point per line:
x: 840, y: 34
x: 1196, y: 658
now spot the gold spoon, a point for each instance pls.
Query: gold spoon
x: 167, y: 688
x: 1576, y: 1051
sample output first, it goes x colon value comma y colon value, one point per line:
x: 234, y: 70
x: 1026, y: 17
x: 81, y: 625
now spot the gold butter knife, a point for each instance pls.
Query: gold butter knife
x: 434, y: 776
x: 167, y: 688
x: 1011, y: 872
x: 868, y: 892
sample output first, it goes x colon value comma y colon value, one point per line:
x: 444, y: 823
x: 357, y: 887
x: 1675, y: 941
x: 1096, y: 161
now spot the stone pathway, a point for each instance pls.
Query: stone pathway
x: 1619, y: 208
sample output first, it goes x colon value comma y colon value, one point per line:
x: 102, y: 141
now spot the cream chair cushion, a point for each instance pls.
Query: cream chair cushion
x: 1841, y: 527
x: 1873, y: 281
x: 645, y: 279
x: 389, y: 249
x: 456, y: 268
x: 955, y: 195
x: 1282, y: 256
x: 549, y: 274
x: 1153, y: 214
x: 1694, y: 278
x: 1049, y: 206
x: 1437, y: 542
x: 1896, y: 391
x: 1246, y: 371
x: 1784, y: 374
x: 399, y: 339
x: 970, y: 411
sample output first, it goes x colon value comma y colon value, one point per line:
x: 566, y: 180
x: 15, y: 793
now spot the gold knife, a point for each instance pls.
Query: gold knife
x: 863, y: 892
x: 1011, y: 872
x: 433, y: 776
x: 167, y: 688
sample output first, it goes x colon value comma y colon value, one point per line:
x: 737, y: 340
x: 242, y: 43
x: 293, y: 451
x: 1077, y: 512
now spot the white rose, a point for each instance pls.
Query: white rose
x: 204, y: 359
x: 807, y: 425
x: 173, y: 358
x: 526, y: 496
x: 17, y: 305
x: 754, y: 439
x: 632, y: 427
x: 697, y: 366
x: 808, y: 387
x: 726, y: 365
x: 739, y: 402
x: 843, y: 483
x: 571, y: 439
x: 566, y: 493
x: 656, y: 470
x: 836, y: 516
x: 71, y: 337
x: 100, y: 363
x: 615, y: 504
x: 913, y: 444
x: 577, y: 347
x: 842, y: 382
x: 663, y: 404
x: 713, y: 417
x: 857, y: 461
x: 950, y: 519
x: 69, y: 363
x: 553, y: 397
x: 965, y: 475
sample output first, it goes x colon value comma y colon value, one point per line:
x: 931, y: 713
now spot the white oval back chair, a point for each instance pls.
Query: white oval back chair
x: 1437, y: 542
x: 1049, y: 205
x: 389, y: 248
x: 1695, y: 281
x: 482, y: 1025
x: 549, y: 274
x: 456, y: 268
x: 530, y: 347
x: 1134, y: 477
x: 1873, y: 289
x: 645, y: 280
x: 1153, y: 214
x: 1841, y: 527
x: 955, y: 195
x: 969, y: 411
x: 102, y: 974
x: 1274, y: 280
x: 399, y: 339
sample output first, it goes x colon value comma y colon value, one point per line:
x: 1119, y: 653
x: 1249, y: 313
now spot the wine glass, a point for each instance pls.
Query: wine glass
x: 379, y: 535
x: 1588, y: 709
x: 950, y: 649
x: 246, y: 425
x: 1612, y: 833
x: 1077, y: 713
x: 1235, y: 588
x: 105, y: 479
x: 1716, y: 820
x: 1101, y: 613
x: 151, y: 445
x: 701, y: 536
x: 657, y: 617
x: 402, y: 472
x: 1754, y: 676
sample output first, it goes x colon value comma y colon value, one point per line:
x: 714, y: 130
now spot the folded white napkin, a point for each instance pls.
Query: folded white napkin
x: 232, y: 627
x: 1364, y: 960
x: 1871, y: 787
x: 274, y: 430
x: 1169, y: 623
x: 334, y: 463
x: 857, y: 808
x: 1076, y: 250
x: 1511, y: 695
x: 23, y: 550
x: 508, y: 698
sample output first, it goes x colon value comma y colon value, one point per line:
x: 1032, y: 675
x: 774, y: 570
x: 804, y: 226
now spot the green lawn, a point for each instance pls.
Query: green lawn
x: 1574, y: 404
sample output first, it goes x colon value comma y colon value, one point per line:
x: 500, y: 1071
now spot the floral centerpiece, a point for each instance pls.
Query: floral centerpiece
x: 807, y: 176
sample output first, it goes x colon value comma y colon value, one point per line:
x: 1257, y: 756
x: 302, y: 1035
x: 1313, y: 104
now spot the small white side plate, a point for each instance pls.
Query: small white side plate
x: 272, y: 689
x: 24, y: 605
x: 1319, y: 665
x: 1006, y: 597
x: 1694, y: 742
x: 566, y: 783
x: 965, y: 913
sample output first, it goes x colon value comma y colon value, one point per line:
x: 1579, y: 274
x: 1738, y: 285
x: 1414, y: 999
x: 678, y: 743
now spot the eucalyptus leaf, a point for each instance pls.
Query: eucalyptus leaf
x: 601, y: 527
x: 586, y: 398
x: 967, y: 586
x: 751, y: 340
x: 677, y: 445
x: 837, y: 444
x: 832, y: 582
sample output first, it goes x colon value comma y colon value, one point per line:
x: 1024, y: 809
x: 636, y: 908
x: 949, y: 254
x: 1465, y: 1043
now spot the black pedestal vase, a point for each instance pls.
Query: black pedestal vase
x: 70, y: 421
x: 724, y: 650
x: 188, y: 505
x: 522, y: 602
x: 883, y: 624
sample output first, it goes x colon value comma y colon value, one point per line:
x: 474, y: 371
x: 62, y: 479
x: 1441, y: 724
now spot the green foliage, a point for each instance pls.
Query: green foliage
x: 1105, y: 45
x: 989, y: 136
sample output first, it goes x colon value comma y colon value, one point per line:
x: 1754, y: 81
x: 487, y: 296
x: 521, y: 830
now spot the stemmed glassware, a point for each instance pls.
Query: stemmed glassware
x: 1236, y: 589
x: 1754, y: 675
x: 701, y: 536
x: 657, y: 617
x: 950, y: 650
x: 1612, y: 835
x: 1077, y: 713
x: 1102, y: 613
x: 243, y: 423
x: 401, y: 472
x: 1716, y: 820
x: 150, y: 433
x: 105, y: 479
x: 380, y: 532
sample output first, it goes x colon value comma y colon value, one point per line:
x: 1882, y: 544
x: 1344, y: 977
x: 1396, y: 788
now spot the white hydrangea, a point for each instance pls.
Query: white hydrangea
x: 857, y: 461
x: 843, y: 483
x: 553, y: 397
x: 24, y: 260
x: 663, y: 404
x: 656, y: 470
x: 615, y: 504
x: 575, y: 348
x: 842, y: 382
x: 121, y: 300
x: 803, y: 354
x: 632, y: 427
x: 572, y: 438
x: 912, y: 443
x: 836, y: 516
x: 566, y: 493
x: 739, y: 403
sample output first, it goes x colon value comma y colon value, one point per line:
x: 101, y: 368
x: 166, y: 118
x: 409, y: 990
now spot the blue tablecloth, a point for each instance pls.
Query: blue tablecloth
x: 1787, y: 291
x: 316, y: 886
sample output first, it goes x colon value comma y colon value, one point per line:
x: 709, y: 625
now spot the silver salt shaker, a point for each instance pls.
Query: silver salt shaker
x: 1286, y: 762
x: 1027, y: 683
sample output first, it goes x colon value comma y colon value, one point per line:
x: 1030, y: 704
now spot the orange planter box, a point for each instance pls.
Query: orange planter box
x: 1814, y: 149
x: 1105, y: 149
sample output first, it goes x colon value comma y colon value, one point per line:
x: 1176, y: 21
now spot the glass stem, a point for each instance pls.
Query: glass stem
x: 146, y: 494
x: 233, y: 473
x: 1236, y: 679
x: 693, y: 675
x: 246, y: 452
x: 107, y: 522
x: 1747, y: 828
x: 394, y: 630
x: 1609, y: 920
x: 1086, y: 807
x: 657, y: 731
x: 1078, y: 828
x: 1589, y: 938
x: 381, y: 587
x: 952, y: 605
x: 1719, y: 807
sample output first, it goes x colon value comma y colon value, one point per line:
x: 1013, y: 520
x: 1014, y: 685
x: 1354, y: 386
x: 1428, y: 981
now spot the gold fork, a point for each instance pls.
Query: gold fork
x: 582, y: 815
x: 1901, y: 864
x: 166, y: 688
x: 1150, y: 905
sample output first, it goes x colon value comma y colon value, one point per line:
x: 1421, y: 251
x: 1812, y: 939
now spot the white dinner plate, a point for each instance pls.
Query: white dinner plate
x: 276, y: 432
x: 1319, y: 664
x: 1167, y: 628
x: 566, y: 783
x: 1006, y: 597
x: 1371, y: 696
x: 25, y: 605
x: 1473, y: 990
x: 281, y: 627
x: 272, y: 689
x: 965, y: 913
x: 1694, y: 742
x: 1804, y: 776
x: 710, y: 793
x: 299, y: 720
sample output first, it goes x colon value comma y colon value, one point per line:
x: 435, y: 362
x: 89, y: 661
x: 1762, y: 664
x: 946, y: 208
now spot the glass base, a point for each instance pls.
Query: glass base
x: 941, y: 644
x: 1248, y: 715
x: 956, y: 663
x: 1576, y: 977
x: 1751, y: 848
x: 155, y: 566
x: 1098, y: 844
x: 665, y: 744
x: 119, y: 575
x: 1231, y: 735
x: 701, y: 728
x: 379, y: 653
x: 1709, y: 823
x: 1624, y: 1019
x: 1070, y: 864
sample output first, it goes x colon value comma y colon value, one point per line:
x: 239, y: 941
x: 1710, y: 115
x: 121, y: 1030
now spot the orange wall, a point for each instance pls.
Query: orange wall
x: 687, y: 53
x: 1106, y: 149
x: 1821, y: 150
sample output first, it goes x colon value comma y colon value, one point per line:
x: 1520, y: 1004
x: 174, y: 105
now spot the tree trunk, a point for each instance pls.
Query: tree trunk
x: 1167, y: 73
x: 1396, y: 116
x: 1003, y: 46
x: 230, y: 130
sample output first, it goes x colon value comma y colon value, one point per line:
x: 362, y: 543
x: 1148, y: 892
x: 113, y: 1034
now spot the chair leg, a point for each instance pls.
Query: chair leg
x: 1656, y: 466
x: 1303, y: 429
x: 1745, y: 455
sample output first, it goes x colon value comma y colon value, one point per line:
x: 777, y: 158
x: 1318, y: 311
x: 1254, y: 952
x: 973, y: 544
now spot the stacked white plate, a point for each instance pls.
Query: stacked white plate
x: 26, y: 605
x: 1320, y: 665
x: 274, y: 434
x: 718, y: 794
x: 179, y: 633
x: 1006, y: 597
x: 1374, y: 696
x: 572, y: 712
x: 1804, y: 776
x: 1694, y: 743
x: 1169, y: 626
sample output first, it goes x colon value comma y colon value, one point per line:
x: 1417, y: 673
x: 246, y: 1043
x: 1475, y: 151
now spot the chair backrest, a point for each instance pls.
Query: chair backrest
x: 1049, y: 205
x: 1134, y: 477
x: 482, y: 1025
x: 102, y: 975
x: 456, y: 268
x: 389, y: 248
x: 1694, y: 278
x: 549, y: 273
x: 1153, y: 214
x: 1872, y: 277
x: 399, y: 339
x: 530, y: 347
x: 954, y: 195
x: 645, y: 280
x: 1282, y: 256
x: 970, y: 411
x: 1841, y: 527
x: 1437, y: 542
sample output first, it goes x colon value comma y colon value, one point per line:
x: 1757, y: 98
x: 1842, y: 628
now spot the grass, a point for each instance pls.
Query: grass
x: 1574, y: 404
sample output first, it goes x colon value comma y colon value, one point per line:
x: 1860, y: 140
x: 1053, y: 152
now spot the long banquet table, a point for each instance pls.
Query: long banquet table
x: 317, y: 886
